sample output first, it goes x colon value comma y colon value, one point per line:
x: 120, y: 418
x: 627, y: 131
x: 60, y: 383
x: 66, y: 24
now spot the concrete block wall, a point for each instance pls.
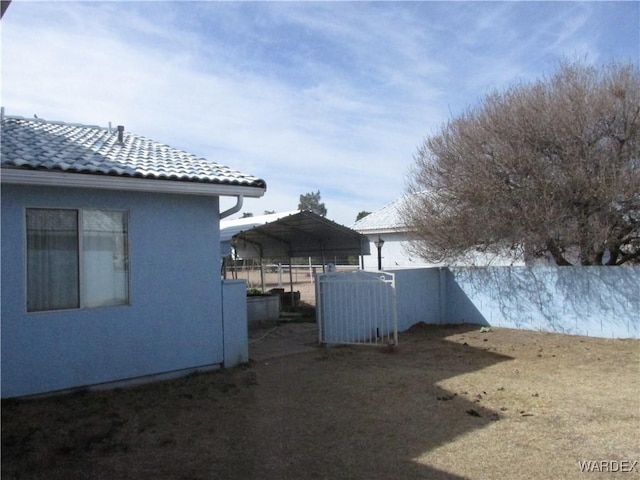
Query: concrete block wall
x: 595, y: 301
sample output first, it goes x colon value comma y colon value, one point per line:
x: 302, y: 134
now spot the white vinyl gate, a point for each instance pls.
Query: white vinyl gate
x: 356, y: 308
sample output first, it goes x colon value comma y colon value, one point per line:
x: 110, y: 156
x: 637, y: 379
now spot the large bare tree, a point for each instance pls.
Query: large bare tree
x: 550, y: 168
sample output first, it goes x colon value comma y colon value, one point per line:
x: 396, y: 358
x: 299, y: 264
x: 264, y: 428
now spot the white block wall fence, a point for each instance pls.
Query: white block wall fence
x: 594, y: 301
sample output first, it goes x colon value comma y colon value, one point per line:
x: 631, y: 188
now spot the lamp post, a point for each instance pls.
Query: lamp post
x: 379, y: 243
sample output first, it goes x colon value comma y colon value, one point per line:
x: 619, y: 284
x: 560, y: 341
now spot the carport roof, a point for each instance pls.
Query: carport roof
x: 300, y: 234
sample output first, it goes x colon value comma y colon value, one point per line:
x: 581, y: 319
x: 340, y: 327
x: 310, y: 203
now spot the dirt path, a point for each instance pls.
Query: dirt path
x: 302, y: 282
x: 450, y: 403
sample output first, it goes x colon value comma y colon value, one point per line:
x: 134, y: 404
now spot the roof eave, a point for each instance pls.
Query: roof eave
x: 380, y: 231
x: 83, y: 180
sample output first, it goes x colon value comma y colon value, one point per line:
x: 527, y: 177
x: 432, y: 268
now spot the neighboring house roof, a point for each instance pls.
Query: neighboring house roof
x: 385, y: 220
x: 388, y: 220
x: 85, y: 155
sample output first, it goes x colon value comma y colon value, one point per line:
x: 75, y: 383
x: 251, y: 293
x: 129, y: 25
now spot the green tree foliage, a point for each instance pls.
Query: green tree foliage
x: 362, y: 214
x: 311, y: 201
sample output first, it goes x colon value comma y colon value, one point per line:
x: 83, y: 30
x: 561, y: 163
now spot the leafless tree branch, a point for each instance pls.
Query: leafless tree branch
x: 550, y: 168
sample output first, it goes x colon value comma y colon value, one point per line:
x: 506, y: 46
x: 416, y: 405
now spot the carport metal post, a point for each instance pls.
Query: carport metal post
x: 261, y: 274
x: 293, y: 301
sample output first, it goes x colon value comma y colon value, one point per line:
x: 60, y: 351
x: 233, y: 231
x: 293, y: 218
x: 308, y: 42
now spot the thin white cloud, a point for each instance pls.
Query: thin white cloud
x: 326, y: 96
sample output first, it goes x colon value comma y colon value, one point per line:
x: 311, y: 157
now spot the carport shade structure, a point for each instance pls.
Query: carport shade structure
x: 302, y: 234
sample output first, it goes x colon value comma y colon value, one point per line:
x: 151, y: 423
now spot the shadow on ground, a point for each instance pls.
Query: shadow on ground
x: 369, y: 413
x: 339, y: 413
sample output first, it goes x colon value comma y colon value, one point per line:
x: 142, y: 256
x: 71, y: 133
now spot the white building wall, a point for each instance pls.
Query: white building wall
x: 396, y: 254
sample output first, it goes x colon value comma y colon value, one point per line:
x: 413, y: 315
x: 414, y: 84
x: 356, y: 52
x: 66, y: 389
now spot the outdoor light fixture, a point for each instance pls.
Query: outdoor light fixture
x: 379, y: 243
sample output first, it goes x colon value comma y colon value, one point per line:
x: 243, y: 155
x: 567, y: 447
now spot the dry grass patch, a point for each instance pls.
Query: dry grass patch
x: 449, y: 403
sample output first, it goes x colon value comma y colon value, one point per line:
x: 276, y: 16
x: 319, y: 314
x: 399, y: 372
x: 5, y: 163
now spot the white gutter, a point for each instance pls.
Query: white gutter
x: 234, y: 209
x: 381, y: 231
x: 80, y: 180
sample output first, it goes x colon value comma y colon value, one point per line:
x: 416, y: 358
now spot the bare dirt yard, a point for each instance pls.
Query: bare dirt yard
x: 448, y: 403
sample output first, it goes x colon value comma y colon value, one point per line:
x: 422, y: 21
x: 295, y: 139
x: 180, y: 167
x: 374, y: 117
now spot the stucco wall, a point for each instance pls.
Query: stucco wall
x: 596, y: 301
x: 173, y: 322
x: 236, y: 330
x: 418, y: 294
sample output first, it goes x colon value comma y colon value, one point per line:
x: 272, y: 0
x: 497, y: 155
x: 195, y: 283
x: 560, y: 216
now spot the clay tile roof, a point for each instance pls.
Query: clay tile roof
x: 57, y: 146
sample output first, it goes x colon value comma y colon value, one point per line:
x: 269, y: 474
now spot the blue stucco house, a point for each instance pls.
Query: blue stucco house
x: 111, y: 259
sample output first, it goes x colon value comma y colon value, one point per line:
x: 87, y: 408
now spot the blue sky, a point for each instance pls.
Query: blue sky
x: 329, y: 96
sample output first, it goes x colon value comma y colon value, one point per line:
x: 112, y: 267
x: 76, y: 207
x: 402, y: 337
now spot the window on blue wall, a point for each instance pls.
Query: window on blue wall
x: 76, y: 259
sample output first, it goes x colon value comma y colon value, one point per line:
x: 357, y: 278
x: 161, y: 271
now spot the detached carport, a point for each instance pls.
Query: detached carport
x: 301, y: 234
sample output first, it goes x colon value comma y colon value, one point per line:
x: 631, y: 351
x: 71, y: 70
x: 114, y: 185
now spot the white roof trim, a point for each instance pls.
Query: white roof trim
x: 83, y: 180
x: 380, y: 231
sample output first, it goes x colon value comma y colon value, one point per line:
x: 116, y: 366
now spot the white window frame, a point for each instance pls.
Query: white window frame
x: 80, y: 230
